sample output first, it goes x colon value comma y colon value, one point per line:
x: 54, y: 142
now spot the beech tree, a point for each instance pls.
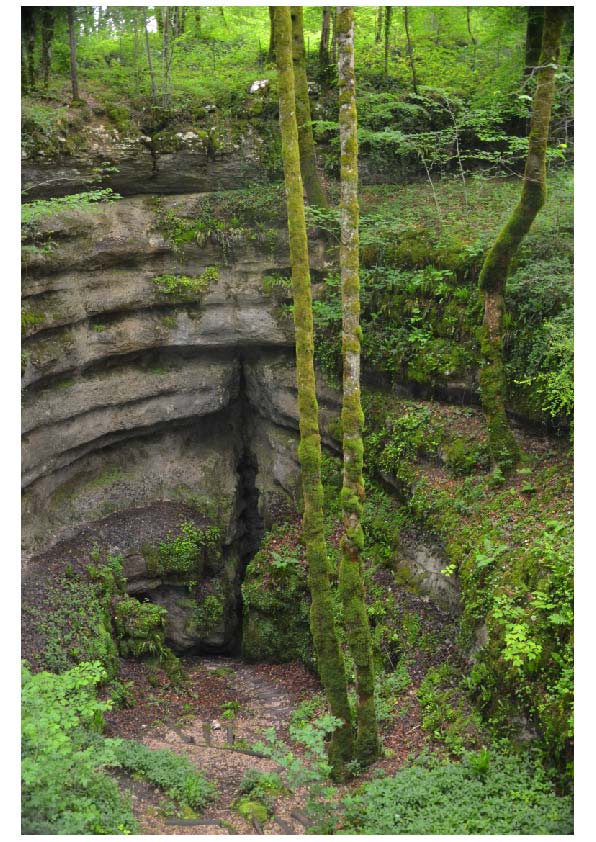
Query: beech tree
x: 493, y: 276
x: 308, y: 164
x: 351, y: 582
x: 329, y: 656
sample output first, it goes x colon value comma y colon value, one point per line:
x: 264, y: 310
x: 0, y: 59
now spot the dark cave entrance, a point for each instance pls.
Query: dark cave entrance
x: 225, y: 577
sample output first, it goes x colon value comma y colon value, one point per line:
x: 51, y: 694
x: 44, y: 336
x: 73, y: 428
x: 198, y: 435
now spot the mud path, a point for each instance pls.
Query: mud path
x: 221, y: 750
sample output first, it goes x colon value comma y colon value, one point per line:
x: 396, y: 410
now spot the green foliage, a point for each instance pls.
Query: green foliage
x: 65, y: 790
x: 446, y: 711
x: 75, y: 625
x: 172, y: 773
x: 32, y: 213
x: 140, y: 627
x: 184, y: 554
x: 484, y: 794
x: 259, y: 791
x: 273, y: 579
x: 389, y: 687
x: 182, y: 286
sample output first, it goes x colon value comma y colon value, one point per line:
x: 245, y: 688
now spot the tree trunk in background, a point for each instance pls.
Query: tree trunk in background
x: 308, y: 165
x: 533, y: 38
x: 351, y: 583
x: 167, y: 56
x: 149, y: 61
x: 271, y: 52
x: 410, y: 51
x: 73, y: 53
x: 325, y: 32
x: 388, y: 14
x: 333, y: 36
x: 379, y: 28
x: 47, y: 33
x: 329, y: 656
x: 473, y: 40
x: 28, y: 39
x: 493, y: 276
x: 198, y: 20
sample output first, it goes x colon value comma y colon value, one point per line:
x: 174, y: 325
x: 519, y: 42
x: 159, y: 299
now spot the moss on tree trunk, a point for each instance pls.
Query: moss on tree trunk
x: 350, y: 575
x: 329, y: 656
x: 493, y: 276
x: 308, y: 164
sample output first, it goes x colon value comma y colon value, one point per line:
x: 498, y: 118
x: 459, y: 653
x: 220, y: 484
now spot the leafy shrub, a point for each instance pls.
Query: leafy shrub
x: 75, y: 625
x: 140, y: 627
x: 184, y: 554
x: 484, y: 794
x: 183, y: 286
x: 174, y: 774
x: 65, y: 790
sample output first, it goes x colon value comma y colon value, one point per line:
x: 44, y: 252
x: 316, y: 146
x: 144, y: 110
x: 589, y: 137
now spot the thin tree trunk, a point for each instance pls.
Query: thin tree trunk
x: 73, y: 53
x: 325, y: 32
x: 333, y: 36
x: 351, y: 582
x: 271, y: 51
x: 149, y: 60
x: 329, y: 657
x: 198, y: 20
x: 28, y: 37
x: 493, y: 276
x: 533, y: 38
x: 47, y: 33
x: 308, y: 164
x: 379, y: 28
x: 167, y: 56
x: 388, y: 15
x: 410, y: 51
x: 473, y: 40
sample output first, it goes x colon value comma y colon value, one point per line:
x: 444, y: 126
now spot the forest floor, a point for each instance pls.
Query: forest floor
x: 193, y: 726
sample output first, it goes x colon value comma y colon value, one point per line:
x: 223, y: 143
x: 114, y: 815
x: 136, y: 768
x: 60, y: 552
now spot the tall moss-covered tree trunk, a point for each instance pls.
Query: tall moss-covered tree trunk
x: 493, y: 276
x: 351, y: 582
x: 329, y: 656
x: 308, y: 164
x: 533, y: 38
x: 74, y: 79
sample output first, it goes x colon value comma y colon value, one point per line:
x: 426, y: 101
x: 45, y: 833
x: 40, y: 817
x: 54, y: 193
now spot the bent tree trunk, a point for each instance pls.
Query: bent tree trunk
x: 351, y: 582
x: 493, y: 276
x: 308, y: 164
x: 329, y: 655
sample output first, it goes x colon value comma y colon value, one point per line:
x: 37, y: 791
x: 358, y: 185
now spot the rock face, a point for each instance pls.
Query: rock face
x: 218, y: 157
x: 133, y: 395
